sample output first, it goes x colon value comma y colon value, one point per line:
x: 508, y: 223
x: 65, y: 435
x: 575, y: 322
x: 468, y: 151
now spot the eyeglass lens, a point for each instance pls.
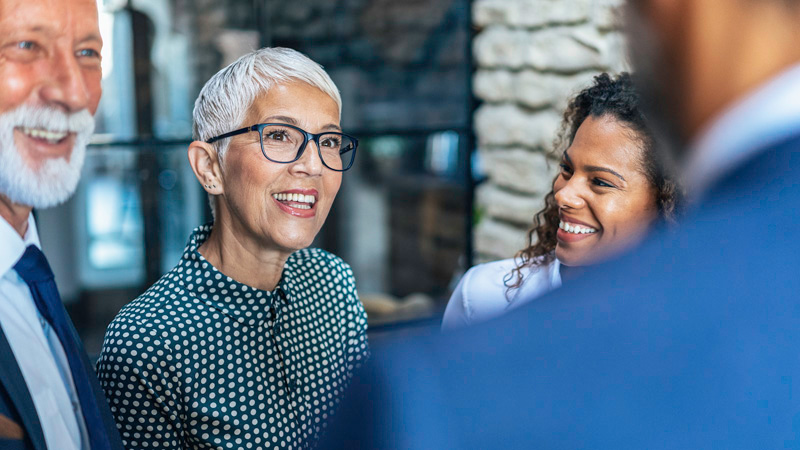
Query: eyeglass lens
x: 281, y: 144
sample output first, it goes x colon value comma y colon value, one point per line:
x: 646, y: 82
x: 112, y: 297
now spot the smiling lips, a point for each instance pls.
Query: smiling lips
x: 295, y: 200
x: 49, y: 143
x: 572, y: 232
x: 576, y: 229
x: 298, y: 202
x: 52, y: 137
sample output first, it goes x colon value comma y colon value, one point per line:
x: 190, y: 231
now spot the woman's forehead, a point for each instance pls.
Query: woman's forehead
x: 298, y: 101
x: 606, y: 141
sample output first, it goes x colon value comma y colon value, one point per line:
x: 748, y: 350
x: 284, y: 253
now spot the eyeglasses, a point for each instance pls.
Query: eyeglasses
x: 282, y: 143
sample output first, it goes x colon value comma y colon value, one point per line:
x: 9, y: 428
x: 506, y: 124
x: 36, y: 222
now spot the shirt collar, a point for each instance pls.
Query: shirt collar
x: 769, y: 114
x: 555, y: 276
x: 13, y: 246
x: 243, y: 303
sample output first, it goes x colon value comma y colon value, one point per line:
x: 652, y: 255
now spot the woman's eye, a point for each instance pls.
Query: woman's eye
x: 601, y: 183
x: 331, y: 142
x: 277, y: 136
x: 565, y: 168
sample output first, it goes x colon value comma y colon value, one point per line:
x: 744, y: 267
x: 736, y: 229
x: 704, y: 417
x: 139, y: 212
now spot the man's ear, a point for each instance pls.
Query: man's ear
x: 206, y: 167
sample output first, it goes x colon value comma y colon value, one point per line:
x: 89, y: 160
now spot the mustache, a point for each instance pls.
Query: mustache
x: 52, y: 119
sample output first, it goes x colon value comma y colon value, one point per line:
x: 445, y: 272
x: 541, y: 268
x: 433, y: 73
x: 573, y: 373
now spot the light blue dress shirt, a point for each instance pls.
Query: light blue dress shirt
x: 37, y: 349
x: 482, y: 293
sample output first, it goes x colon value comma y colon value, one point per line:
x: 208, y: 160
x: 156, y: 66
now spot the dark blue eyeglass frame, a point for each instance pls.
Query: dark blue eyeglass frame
x: 306, y: 138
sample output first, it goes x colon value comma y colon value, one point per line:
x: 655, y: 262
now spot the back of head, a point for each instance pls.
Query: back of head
x: 698, y: 58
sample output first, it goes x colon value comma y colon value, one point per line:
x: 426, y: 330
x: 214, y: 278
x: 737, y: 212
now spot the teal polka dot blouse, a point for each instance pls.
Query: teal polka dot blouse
x: 200, y: 361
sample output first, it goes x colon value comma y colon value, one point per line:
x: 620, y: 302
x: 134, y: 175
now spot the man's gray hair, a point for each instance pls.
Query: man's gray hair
x: 227, y: 97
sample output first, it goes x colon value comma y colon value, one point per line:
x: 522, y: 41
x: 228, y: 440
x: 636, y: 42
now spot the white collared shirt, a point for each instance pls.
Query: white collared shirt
x: 482, y: 293
x: 765, y: 116
x: 36, y: 348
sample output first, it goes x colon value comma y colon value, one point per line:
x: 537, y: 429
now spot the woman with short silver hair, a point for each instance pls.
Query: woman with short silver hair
x: 251, y: 339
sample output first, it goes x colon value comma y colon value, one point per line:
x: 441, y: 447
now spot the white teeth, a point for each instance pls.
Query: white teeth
x: 300, y: 201
x: 577, y: 229
x: 39, y: 133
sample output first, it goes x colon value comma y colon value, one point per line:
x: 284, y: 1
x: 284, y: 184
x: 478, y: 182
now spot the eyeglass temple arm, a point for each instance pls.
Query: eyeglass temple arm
x: 233, y: 133
x: 349, y: 147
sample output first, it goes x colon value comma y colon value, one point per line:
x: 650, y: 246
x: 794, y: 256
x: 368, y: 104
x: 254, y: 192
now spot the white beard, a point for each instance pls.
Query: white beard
x: 55, y: 181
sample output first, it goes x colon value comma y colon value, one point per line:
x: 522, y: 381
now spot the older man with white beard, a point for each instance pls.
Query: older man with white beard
x: 49, y: 89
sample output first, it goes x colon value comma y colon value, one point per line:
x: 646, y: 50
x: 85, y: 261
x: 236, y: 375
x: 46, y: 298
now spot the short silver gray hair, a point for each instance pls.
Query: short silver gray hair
x: 227, y: 97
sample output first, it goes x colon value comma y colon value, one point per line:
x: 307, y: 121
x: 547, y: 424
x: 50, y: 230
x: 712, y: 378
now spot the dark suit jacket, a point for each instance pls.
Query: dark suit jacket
x: 17, y: 405
x: 691, y: 341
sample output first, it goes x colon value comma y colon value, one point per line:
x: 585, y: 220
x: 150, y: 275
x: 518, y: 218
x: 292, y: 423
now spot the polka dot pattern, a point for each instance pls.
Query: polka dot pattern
x: 201, y: 361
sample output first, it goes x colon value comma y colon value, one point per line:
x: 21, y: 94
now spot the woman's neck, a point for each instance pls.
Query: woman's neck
x: 243, y: 259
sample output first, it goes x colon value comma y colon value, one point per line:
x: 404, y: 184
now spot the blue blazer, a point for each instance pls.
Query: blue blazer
x: 691, y: 341
x: 17, y: 405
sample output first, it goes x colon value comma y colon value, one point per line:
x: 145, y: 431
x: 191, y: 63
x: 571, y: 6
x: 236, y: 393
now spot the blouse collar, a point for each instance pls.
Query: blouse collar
x: 243, y: 303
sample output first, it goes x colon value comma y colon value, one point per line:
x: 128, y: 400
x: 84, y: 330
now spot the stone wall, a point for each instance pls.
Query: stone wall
x: 531, y: 57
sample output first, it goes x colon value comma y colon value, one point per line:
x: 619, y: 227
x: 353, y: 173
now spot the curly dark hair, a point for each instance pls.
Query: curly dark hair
x: 607, y: 96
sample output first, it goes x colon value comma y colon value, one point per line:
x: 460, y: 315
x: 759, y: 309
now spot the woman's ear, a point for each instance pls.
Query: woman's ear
x: 206, y: 166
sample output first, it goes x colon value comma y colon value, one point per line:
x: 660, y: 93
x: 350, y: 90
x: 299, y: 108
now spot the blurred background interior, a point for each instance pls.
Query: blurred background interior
x: 455, y: 102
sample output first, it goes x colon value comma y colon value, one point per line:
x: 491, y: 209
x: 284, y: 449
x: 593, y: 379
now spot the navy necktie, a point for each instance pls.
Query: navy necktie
x: 33, y: 268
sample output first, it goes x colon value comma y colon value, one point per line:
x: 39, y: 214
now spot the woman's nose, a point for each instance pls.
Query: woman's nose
x: 309, y: 163
x: 570, y: 195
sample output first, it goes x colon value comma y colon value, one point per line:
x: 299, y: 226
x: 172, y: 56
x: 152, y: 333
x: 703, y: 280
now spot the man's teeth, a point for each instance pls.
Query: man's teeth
x: 576, y: 229
x: 299, y: 201
x: 39, y: 133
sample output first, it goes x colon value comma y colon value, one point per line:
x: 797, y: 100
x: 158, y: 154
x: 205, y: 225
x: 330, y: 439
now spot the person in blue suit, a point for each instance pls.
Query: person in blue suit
x: 49, y: 89
x: 691, y: 340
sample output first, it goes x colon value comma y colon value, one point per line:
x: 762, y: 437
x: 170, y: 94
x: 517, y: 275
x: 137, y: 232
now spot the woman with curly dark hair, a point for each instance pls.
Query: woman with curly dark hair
x: 612, y: 188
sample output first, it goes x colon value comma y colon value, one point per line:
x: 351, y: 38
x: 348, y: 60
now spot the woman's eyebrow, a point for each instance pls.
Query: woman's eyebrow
x: 293, y: 121
x: 603, y: 169
x: 284, y: 119
x: 332, y: 126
